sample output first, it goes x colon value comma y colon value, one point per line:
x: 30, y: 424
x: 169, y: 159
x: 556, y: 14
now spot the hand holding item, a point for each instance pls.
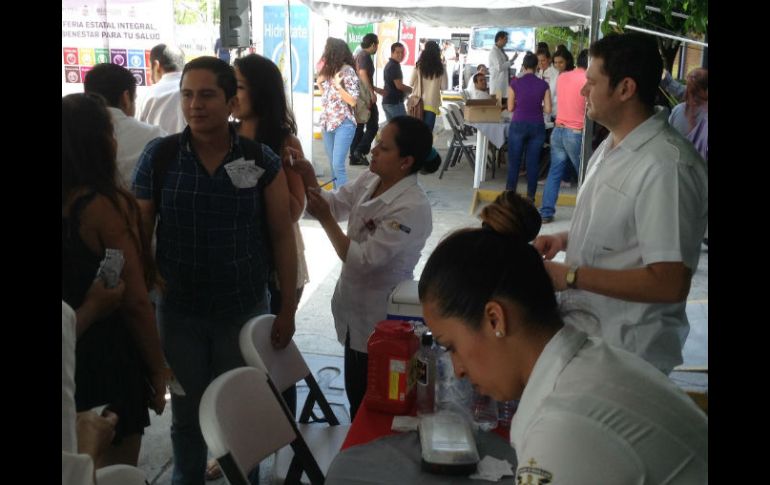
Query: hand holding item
x: 95, y: 433
x: 317, y: 205
x: 282, y: 331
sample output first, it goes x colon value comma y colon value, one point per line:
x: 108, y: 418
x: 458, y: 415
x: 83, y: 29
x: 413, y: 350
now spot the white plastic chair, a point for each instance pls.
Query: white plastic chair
x: 243, y: 420
x: 120, y: 475
x: 284, y: 368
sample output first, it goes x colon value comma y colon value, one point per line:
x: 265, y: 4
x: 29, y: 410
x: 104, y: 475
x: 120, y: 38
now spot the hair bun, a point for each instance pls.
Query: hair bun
x: 512, y: 215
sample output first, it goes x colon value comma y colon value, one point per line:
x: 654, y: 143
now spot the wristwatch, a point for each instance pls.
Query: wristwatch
x: 571, y: 277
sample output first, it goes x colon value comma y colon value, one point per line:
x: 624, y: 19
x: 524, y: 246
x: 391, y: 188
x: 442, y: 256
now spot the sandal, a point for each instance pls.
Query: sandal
x: 213, y: 471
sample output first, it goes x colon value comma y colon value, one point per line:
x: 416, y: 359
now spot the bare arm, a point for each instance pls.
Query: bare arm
x: 401, y: 86
x: 285, y: 256
x: 511, y: 99
x: 294, y: 180
x: 319, y: 208
x: 99, y: 302
x: 547, y: 102
x: 147, y: 211
x: 667, y: 282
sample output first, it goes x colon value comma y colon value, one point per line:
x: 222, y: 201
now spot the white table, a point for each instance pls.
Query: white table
x: 492, y: 132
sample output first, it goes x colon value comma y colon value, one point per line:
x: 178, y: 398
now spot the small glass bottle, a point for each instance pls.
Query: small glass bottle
x: 426, y: 379
x: 484, y: 411
x: 505, y: 412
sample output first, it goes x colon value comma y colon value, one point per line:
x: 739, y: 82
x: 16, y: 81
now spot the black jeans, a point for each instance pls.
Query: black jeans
x: 356, y: 367
x: 362, y: 141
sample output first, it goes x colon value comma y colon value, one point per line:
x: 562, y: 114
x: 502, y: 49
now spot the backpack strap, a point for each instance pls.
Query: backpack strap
x: 168, y: 148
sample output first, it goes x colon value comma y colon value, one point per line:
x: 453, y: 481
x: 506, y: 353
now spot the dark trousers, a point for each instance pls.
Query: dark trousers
x: 290, y: 394
x: 362, y: 140
x: 356, y: 367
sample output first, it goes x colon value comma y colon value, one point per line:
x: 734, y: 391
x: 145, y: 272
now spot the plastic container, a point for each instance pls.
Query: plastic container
x: 390, y: 349
x: 484, y: 412
x: 426, y: 376
x: 404, y: 302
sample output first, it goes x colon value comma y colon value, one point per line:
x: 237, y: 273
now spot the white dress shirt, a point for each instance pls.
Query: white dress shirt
x: 132, y: 136
x: 549, y: 75
x: 474, y: 93
x: 386, y: 234
x: 161, y: 105
x: 595, y: 414
x: 644, y: 201
x: 498, y: 72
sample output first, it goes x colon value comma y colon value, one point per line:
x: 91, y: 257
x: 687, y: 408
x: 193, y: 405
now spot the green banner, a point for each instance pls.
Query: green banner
x: 355, y: 33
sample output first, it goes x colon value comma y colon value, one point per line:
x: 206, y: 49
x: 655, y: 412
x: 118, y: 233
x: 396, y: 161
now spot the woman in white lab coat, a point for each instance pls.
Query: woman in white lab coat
x: 389, y: 220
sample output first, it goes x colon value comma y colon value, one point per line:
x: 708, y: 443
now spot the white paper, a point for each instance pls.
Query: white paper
x: 404, y: 423
x: 244, y: 173
x: 492, y: 469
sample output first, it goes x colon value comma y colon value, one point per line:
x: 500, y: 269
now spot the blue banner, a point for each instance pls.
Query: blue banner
x: 275, y: 21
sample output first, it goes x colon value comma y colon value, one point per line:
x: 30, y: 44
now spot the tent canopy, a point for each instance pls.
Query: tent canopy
x: 458, y: 13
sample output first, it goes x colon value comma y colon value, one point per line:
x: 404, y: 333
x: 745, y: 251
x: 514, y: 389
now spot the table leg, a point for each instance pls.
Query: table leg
x: 481, y: 156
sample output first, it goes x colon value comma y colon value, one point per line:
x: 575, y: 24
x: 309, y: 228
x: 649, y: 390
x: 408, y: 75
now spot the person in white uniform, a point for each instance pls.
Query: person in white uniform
x: 634, y: 241
x: 389, y: 220
x: 161, y: 105
x: 588, y: 413
x: 498, y: 67
x: 117, y: 86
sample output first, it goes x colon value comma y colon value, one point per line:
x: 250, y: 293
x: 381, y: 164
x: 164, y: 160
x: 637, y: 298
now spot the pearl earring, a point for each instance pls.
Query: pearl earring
x: 498, y: 334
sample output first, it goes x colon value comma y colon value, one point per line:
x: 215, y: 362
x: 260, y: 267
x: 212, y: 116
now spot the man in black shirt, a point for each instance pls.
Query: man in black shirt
x: 362, y: 140
x: 395, y: 89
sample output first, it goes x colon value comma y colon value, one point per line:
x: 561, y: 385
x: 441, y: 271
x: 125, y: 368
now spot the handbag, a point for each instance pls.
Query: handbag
x: 414, y: 104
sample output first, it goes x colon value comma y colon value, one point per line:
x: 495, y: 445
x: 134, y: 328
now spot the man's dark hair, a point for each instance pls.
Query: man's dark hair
x: 394, y: 46
x: 582, y: 59
x: 500, y: 34
x: 478, y: 76
x: 169, y: 57
x: 633, y: 55
x: 110, y: 81
x: 223, y: 71
x: 368, y: 40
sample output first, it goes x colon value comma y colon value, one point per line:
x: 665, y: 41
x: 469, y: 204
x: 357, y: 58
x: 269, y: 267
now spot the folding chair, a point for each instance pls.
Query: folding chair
x: 284, y: 368
x: 120, y: 475
x: 459, y: 142
x: 243, y: 419
x: 468, y: 130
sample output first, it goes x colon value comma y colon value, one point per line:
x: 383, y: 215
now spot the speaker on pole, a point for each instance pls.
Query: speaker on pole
x: 234, y: 27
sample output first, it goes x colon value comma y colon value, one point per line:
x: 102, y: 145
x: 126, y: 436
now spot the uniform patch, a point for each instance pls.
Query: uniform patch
x: 532, y: 474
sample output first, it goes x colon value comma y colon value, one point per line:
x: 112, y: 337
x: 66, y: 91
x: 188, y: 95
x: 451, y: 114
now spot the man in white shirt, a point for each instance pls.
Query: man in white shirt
x: 479, y: 90
x: 117, y: 86
x: 498, y: 67
x: 641, y: 213
x: 161, y: 104
x: 450, y: 56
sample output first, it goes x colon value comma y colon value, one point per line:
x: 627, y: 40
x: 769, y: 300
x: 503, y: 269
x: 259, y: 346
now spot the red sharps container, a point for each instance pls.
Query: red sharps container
x: 390, y: 348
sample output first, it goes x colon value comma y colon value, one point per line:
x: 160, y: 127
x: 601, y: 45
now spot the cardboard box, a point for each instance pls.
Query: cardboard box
x: 482, y: 111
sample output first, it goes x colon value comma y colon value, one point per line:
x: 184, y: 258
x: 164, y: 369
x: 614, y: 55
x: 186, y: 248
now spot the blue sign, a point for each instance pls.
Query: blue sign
x: 274, y: 49
x: 135, y: 59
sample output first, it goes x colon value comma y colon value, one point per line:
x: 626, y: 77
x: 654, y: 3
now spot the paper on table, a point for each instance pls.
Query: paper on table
x: 492, y: 469
x: 404, y: 423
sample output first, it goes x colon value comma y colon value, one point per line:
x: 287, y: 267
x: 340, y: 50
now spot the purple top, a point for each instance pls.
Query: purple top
x: 528, y: 92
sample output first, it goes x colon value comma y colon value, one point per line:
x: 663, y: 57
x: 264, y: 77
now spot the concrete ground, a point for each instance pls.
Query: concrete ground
x: 451, y: 199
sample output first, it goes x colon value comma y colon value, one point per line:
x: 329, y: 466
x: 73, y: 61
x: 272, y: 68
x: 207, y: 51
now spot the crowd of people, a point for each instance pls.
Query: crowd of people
x: 205, y: 208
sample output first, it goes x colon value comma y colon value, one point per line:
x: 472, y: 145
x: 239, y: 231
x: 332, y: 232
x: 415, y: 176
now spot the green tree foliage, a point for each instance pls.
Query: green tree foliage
x: 636, y: 12
x: 187, y: 12
x: 554, y: 36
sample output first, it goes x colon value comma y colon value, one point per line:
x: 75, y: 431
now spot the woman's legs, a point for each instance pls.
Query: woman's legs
x: 516, y: 137
x: 534, y: 146
x: 343, y: 136
x: 356, y: 366
x: 429, y: 117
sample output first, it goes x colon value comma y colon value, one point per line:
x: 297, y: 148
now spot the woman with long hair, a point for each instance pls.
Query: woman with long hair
x: 429, y: 78
x: 587, y: 410
x: 389, y: 220
x: 340, y: 87
x: 265, y: 117
x: 529, y: 98
x: 119, y: 355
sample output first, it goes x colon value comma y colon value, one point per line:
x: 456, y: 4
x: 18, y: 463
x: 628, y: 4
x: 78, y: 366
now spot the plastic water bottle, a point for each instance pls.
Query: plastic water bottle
x: 505, y: 412
x: 426, y: 376
x: 452, y: 394
x: 484, y: 411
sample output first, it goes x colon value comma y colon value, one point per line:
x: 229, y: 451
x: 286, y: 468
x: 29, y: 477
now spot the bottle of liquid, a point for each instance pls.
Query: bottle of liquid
x: 505, y: 412
x: 484, y: 411
x: 426, y: 376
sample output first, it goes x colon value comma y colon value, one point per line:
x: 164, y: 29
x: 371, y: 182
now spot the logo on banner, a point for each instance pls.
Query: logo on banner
x: 278, y: 58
